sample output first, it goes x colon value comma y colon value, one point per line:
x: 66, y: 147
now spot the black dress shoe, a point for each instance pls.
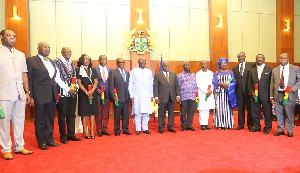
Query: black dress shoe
x: 127, y: 132
x: 172, y: 130
x: 250, y: 128
x: 161, y: 131
x: 240, y: 127
x: 138, y: 132
x: 147, y: 132
x: 279, y: 133
x: 183, y: 129
x: 53, y: 144
x: 191, y: 128
x: 298, y: 125
x: 207, y: 127
x: 106, y: 133
x: 74, y: 138
x: 44, y: 147
x: 117, y: 133
x: 99, y: 134
x: 290, y: 134
x: 64, y: 140
x: 266, y: 132
x: 203, y: 127
x: 255, y: 130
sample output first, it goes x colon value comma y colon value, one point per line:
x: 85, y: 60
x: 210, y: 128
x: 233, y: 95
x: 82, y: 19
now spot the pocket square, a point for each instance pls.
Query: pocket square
x: 267, y: 72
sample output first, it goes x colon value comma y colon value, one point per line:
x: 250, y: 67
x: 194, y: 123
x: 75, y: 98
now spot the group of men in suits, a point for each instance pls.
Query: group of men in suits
x: 261, y: 86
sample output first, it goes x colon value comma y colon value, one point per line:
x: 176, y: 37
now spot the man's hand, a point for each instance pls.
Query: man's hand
x: 99, y: 91
x: 291, y: 91
x: 272, y: 100
x: 178, y: 100
x: 27, y: 98
x: 31, y: 102
x: 253, y: 95
x: 72, y: 92
x: 132, y: 99
x: 157, y: 101
x: 208, y: 93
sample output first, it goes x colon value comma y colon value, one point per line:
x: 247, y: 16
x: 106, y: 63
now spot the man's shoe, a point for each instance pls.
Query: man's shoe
x: 290, y: 134
x: 183, y: 129
x: 53, y: 144
x: 138, y: 132
x: 298, y: 125
x: 161, y: 131
x: 7, y: 156
x: 203, y: 127
x: 147, y: 132
x: 266, y: 132
x: 255, y: 130
x: 279, y: 133
x: 24, y: 152
x: 191, y: 128
x: 74, y: 138
x: 127, y: 132
x: 250, y: 128
x: 117, y: 133
x: 44, y: 147
x: 99, y: 134
x: 172, y: 130
x: 106, y: 133
x: 64, y: 140
x: 240, y: 127
x: 207, y: 127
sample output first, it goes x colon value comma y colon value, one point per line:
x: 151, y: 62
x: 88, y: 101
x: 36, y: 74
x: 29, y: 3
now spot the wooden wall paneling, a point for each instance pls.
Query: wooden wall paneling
x: 218, y: 36
x: 284, y: 38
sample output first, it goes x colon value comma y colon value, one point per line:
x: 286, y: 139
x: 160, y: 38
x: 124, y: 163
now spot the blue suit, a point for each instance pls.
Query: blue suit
x: 101, y: 82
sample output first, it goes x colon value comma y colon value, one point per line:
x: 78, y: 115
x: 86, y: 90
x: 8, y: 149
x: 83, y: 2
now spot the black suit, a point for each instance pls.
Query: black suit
x: 242, y: 93
x: 43, y: 90
x: 166, y: 93
x: 116, y: 81
x: 263, y: 97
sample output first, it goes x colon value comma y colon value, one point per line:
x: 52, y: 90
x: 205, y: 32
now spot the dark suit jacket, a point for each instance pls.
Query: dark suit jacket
x: 163, y: 90
x: 294, y: 82
x: 116, y: 81
x: 263, y: 83
x: 101, y: 82
x: 42, y: 88
x: 242, y: 81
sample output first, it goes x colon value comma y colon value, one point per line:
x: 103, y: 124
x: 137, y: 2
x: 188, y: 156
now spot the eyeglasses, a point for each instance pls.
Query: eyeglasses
x: 86, y: 59
x: 121, y: 62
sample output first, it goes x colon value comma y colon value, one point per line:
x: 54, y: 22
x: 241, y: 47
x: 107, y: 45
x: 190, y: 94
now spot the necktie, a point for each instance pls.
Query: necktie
x: 167, y: 76
x: 281, y: 83
x: 123, y: 75
x: 103, y: 75
x: 241, y: 69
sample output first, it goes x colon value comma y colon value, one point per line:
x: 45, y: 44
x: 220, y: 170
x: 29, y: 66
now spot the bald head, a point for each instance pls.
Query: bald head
x: 43, y: 48
x: 66, y: 53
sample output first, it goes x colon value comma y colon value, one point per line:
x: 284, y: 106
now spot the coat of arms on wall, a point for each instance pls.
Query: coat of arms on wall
x: 141, y: 43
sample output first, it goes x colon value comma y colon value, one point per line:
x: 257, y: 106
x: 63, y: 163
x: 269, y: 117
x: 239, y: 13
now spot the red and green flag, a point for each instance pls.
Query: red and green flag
x: 102, y: 95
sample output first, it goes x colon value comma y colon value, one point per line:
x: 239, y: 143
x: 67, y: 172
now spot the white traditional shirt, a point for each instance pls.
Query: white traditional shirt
x: 204, y: 79
x: 141, y: 89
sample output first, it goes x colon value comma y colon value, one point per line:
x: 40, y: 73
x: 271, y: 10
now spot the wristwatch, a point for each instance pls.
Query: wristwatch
x: 27, y: 92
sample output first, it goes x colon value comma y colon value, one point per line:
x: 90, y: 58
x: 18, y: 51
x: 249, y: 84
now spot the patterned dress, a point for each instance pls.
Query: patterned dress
x: 223, y: 116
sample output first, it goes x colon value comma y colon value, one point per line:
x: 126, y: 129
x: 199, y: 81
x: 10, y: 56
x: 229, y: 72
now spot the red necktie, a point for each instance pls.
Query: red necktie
x: 281, y: 83
x: 103, y: 75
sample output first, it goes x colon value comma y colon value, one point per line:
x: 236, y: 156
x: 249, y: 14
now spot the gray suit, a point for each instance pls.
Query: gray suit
x: 289, y: 108
x: 166, y: 93
x: 12, y: 98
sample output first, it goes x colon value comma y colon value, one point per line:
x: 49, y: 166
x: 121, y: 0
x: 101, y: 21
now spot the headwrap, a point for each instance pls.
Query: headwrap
x: 221, y: 60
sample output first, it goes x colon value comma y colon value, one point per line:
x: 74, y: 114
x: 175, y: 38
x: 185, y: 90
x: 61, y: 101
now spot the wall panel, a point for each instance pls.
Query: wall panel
x: 2, y: 14
x: 251, y: 36
x: 297, y: 31
x: 235, y: 35
x: 267, y: 35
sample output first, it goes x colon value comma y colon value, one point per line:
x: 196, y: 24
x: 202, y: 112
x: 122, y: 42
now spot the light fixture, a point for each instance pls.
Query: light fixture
x: 287, y: 25
x: 220, y: 20
x: 15, y: 12
x: 140, y: 16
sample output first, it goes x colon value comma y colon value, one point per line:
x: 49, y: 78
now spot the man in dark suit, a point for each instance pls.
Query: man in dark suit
x: 282, y: 76
x: 260, y: 75
x: 241, y: 73
x: 166, y: 92
x: 118, y: 79
x: 103, y: 109
x: 43, y: 94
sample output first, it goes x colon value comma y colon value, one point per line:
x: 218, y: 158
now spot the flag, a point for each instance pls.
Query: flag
x: 89, y: 89
x: 116, y: 94
x: 197, y: 99
x: 208, y: 89
x: 102, y: 95
x: 286, y: 94
x: 161, y: 63
x: 256, y: 92
x: 1, y: 113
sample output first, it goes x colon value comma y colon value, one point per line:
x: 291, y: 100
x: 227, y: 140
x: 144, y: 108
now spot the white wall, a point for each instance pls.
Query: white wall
x: 182, y: 27
x: 252, y: 29
x: 86, y: 26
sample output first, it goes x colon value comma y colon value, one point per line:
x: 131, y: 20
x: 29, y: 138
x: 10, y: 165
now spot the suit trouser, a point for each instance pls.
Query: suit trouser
x: 189, y: 107
x: 286, y: 111
x: 103, y: 115
x: 267, y: 109
x: 123, y: 110
x: 66, y: 108
x: 162, y: 107
x: 14, y: 111
x: 44, y: 122
x: 242, y: 102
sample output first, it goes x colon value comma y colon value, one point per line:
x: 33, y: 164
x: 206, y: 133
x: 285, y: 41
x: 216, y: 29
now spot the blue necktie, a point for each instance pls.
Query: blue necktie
x: 123, y: 75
